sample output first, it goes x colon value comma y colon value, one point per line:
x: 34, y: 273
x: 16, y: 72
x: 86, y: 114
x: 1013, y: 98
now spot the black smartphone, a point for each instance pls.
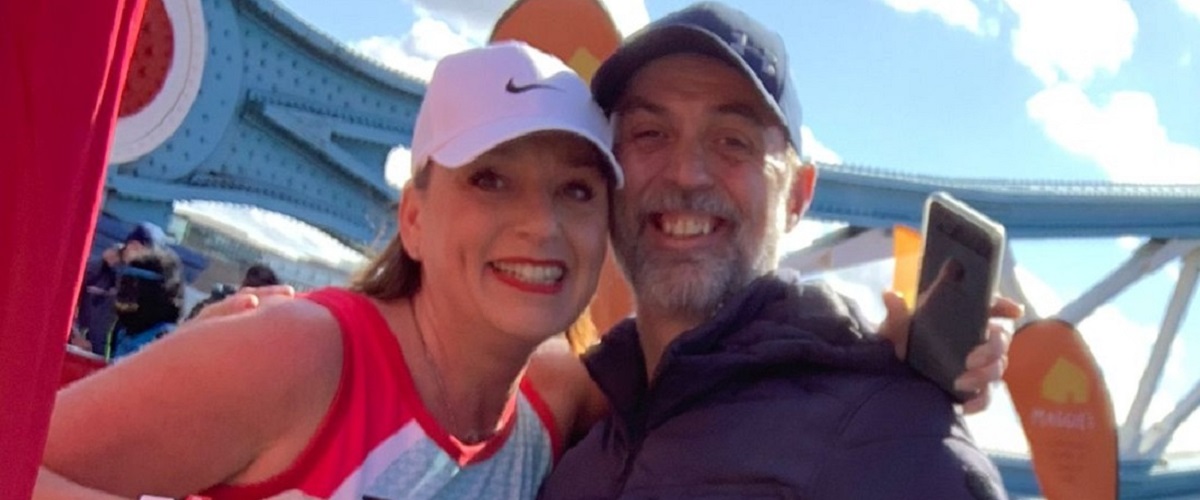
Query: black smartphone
x: 960, y: 269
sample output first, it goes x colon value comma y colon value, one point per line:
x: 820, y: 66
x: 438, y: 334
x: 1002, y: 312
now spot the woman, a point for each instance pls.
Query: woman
x: 417, y: 380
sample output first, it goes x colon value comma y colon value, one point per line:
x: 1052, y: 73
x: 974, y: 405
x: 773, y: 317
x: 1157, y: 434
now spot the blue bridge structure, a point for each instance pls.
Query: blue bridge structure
x: 258, y: 107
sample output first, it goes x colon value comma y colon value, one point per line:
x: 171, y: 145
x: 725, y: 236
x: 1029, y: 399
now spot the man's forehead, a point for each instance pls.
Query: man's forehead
x: 682, y: 77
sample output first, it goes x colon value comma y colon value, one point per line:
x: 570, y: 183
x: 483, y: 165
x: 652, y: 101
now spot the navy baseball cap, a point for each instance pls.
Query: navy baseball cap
x: 148, y: 234
x: 711, y: 29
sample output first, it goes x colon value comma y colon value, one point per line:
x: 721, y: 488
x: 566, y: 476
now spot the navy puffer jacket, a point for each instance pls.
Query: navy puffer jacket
x: 779, y: 395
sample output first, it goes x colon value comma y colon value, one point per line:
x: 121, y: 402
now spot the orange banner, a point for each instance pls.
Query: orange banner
x: 906, y: 248
x: 1060, y: 395
x: 582, y: 34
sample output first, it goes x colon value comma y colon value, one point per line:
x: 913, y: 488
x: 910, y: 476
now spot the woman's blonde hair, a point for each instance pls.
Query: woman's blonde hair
x: 393, y: 273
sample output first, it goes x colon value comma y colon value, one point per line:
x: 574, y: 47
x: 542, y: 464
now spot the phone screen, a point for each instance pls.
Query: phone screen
x: 953, y: 297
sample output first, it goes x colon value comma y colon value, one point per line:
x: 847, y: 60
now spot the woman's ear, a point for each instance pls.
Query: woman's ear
x: 804, y: 183
x: 409, y: 216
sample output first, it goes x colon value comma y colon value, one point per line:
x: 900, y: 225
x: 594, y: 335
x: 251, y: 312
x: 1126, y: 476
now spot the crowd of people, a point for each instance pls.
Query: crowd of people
x: 439, y: 371
x: 133, y: 294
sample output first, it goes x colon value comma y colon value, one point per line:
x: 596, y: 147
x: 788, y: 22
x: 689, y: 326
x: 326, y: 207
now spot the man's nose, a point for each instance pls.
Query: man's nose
x: 690, y: 165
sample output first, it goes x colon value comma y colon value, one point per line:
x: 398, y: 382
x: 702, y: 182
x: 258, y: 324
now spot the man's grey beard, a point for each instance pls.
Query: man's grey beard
x: 692, y: 283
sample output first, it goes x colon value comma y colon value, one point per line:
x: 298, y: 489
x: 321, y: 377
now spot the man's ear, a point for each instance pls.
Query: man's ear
x: 409, y: 218
x: 804, y: 183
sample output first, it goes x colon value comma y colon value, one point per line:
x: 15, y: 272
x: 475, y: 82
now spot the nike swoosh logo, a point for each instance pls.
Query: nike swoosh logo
x: 513, y: 88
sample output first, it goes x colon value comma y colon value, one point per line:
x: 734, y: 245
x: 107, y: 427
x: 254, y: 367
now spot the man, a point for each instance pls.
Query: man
x: 95, y: 314
x: 734, y: 380
x: 149, y: 294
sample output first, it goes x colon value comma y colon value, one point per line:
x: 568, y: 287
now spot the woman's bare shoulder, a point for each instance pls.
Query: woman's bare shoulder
x: 563, y: 381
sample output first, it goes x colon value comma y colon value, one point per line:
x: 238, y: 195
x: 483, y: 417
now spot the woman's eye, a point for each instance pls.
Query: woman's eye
x: 487, y: 180
x: 579, y: 191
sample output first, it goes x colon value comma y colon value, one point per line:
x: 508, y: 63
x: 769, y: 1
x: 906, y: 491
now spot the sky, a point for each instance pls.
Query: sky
x: 1014, y: 89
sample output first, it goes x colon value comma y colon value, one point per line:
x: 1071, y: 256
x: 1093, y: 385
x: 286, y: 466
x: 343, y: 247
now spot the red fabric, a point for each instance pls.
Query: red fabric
x: 64, y: 63
x: 547, y: 417
x: 376, y: 397
x: 77, y: 364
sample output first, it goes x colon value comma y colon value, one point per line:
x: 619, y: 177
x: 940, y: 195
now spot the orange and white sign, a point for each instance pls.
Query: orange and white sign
x: 1064, y: 406
x: 164, y: 77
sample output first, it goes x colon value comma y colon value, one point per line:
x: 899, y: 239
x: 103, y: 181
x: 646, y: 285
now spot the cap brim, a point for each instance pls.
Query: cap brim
x: 464, y: 148
x: 612, y: 76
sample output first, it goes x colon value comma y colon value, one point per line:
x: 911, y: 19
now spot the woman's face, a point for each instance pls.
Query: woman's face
x: 515, y: 239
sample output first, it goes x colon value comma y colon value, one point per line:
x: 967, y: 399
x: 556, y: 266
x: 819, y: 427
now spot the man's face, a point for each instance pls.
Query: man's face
x: 705, y: 196
x: 132, y: 250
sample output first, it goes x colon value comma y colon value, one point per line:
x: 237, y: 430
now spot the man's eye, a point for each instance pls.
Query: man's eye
x: 579, y: 191
x: 733, y: 142
x: 487, y: 180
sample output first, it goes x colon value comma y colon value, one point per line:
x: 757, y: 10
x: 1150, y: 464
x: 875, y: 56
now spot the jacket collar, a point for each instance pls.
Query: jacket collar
x: 775, y: 323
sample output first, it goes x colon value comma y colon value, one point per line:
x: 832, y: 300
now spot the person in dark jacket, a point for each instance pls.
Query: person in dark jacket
x: 149, y: 294
x: 95, y: 314
x: 734, y: 380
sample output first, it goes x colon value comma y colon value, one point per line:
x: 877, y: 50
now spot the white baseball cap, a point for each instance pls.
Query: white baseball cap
x: 481, y: 98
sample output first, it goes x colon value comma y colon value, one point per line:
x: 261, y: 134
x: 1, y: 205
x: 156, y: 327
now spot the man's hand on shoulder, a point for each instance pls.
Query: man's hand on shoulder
x: 985, y: 364
x: 246, y: 299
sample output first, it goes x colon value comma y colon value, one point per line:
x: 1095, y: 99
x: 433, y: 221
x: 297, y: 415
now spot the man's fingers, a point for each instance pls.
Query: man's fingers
x: 228, y: 306
x: 1004, y: 307
x: 995, y: 348
x: 269, y: 291
x: 895, y: 325
x: 978, y: 403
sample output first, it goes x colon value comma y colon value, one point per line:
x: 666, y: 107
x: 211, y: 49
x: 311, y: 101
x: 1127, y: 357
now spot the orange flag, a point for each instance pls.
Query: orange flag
x: 582, y: 34
x: 1060, y: 395
x: 906, y: 248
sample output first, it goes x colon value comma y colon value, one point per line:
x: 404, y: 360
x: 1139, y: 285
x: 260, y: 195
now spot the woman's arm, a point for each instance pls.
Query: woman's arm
x: 563, y: 382
x: 200, y: 407
x: 51, y: 486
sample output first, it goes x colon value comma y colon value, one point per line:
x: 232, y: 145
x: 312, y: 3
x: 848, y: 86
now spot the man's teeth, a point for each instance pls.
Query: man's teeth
x: 531, y: 273
x: 687, y: 226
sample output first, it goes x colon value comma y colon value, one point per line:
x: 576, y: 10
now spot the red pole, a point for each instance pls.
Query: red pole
x: 64, y: 66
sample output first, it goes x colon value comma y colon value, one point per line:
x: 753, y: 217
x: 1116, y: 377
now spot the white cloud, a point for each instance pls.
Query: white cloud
x: 956, y: 13
x: 417, y: 52
x: 1130, y: 243
x: 477, y: 17
x: 1041, y: 295
x: 1073, y: 40
x: 1123, y: 136
x: 628, y: 15
x: 398, y: 167
x: 1190, y: 7
x: 814, y: 150
x: 1185, y: 59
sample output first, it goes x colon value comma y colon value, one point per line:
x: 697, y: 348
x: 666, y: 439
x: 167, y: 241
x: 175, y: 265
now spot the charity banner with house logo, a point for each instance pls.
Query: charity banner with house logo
x: 1059, y: 393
